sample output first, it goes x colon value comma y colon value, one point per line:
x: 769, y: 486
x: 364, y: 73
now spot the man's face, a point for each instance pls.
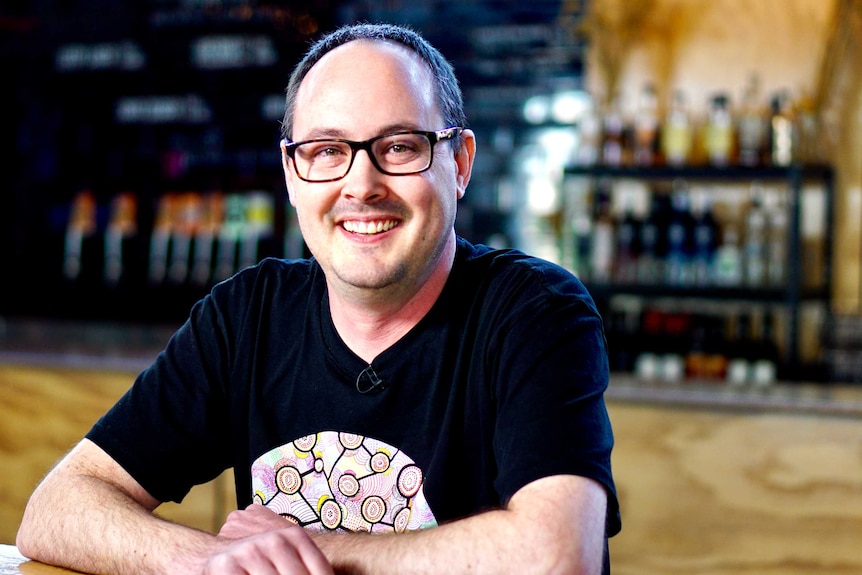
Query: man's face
x: 370, y: 231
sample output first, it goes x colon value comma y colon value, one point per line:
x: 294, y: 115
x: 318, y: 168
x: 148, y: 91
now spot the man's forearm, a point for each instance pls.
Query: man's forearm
x: 91, y: 525
x: 528, y: 537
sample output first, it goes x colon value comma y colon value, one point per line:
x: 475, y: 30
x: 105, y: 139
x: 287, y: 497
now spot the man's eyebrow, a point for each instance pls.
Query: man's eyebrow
x: 337, y: 133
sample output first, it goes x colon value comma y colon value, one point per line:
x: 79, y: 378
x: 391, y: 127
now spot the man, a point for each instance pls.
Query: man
x: 445, y: 397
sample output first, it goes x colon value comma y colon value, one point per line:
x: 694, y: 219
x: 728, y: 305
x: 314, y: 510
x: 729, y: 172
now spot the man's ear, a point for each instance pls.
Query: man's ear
x: 289, y: 174
x: 464, y: 160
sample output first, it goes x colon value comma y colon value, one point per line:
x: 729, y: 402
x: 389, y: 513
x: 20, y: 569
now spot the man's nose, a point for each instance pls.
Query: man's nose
x: 363, y: 181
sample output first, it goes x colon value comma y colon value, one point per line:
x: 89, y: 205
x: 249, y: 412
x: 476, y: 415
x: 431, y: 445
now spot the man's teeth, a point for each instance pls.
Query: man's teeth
x: 369, y: 228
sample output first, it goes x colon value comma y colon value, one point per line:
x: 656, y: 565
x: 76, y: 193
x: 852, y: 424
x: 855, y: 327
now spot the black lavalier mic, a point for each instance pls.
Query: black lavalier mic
x: 368, y: 381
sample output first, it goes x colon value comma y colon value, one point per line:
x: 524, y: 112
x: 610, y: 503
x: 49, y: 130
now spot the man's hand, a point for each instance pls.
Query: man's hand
x: 285, y: 551
x: 253, y: 520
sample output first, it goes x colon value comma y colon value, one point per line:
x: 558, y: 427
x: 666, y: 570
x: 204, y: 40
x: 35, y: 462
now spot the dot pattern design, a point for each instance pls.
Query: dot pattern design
x: 332, y: 481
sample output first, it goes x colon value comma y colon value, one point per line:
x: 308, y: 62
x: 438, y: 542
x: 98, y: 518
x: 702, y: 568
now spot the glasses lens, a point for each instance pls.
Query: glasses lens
x: 320, y: 161
x: 403, y: 153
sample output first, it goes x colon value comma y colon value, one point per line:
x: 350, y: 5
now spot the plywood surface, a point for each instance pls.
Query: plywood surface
x: 720, y: 493
x: 703, y: 492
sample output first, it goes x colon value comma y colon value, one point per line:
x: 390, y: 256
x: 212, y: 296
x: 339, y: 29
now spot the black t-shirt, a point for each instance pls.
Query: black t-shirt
x: 500, y: 384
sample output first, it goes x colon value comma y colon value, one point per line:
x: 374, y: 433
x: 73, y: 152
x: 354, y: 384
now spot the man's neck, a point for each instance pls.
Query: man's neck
x: 371, y: 324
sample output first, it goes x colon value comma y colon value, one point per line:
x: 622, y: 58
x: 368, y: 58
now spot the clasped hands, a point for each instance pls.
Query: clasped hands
x: 260, y: 542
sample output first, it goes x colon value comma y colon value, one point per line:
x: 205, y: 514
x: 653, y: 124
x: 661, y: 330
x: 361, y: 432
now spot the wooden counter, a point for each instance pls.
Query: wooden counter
x: 44, y: 411
x: 704, y: 491
x: 13, y: 563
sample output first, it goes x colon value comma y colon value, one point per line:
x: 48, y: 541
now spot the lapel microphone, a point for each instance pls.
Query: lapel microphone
x: 368, y: 381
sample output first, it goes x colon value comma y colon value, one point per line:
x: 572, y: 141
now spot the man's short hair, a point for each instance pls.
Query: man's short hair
x: 449, y: 96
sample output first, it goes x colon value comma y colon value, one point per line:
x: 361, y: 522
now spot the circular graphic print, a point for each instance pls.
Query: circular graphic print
x: 379, y: 462
x: 348, y: 485
x: 409, y: 480
x: 306, y: 443
x: 288, y: 480
x: 402, y: 519
x: 330, y: 514
x: 373, y: 509
x: 350, y: 440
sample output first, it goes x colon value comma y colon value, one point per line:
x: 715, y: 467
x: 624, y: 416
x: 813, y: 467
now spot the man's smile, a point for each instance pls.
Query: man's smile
x: 369, y: 227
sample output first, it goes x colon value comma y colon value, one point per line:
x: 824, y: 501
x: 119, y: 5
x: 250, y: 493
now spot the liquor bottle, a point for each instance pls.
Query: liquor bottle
x: 613, y: 128
x: 589, y: 136
x: 189, y: 214
x: 782, y: 131
x: 776, y: 238
x: 651, y: 346
x: 719, y: 131
x: 160, y: 239
x: 765, y: 367
x: 646, y: 127
x: 678, y: 262
x: 621, y: 344
x: 728, y: 271
x: 80, y: 228
x: 755, y: 239
x: 212, y: 219
x: 696, y: 358
x: 260, y: 221
x: 706, y: 232
x: 602, y: 253
x: 751, y: 125
x: 229, y: 236
x: 677, y: 135
x: 706, y: 359
x: 121, y: 228
x: 653, y: 240
x: 740, y: 349
x: 627, y: 249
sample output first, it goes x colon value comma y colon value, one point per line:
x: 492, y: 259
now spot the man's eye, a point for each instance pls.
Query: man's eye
x: 329, y: 152
x: 399, y: 148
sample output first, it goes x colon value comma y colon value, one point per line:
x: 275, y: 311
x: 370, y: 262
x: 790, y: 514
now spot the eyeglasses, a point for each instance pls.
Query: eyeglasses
x: 398, y: 154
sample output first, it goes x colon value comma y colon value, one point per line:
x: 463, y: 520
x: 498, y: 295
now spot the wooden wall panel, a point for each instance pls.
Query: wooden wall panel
x: 722, y: 493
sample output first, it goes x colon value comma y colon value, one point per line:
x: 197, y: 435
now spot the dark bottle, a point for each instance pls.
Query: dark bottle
x: 602, y: 254
x: 120, y: 236
x: 765, y: 367
x: 680, y: 232
x: 706, y: 238
x: 627, y: 247
x: 82, y: 247
x: 652, y: 235
x: 740, y: 352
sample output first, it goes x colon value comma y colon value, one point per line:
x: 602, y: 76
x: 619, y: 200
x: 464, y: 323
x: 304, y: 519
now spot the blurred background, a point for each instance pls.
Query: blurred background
x: 697, y: 163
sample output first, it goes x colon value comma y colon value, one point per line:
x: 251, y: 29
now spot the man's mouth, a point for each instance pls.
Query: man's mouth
x: 369, y: 228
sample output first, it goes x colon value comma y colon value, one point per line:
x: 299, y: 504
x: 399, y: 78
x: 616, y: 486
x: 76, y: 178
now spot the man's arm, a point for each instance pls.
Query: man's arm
x: 90, y: 515
x: 552, y: 525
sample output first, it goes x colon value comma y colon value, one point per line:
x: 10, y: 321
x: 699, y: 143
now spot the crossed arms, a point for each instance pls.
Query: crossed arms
x: 89, y: 514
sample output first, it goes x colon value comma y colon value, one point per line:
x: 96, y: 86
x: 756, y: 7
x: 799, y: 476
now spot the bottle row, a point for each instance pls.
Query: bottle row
x: 754, y: 133
x: 679, y: 237
x: 672, y: 346
x: 194, y: 238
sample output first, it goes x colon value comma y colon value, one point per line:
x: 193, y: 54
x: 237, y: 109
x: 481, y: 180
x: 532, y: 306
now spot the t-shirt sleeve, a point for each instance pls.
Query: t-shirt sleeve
x: 552, y: 375
x: 170, y: 430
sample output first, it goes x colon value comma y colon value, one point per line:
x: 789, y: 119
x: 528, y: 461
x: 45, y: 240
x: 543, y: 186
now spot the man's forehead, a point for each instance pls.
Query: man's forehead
x: 374, y: 71
x: 373, y: 57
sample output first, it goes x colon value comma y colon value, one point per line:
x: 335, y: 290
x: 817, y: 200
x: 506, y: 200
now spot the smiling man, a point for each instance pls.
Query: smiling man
x: 402, y: 402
